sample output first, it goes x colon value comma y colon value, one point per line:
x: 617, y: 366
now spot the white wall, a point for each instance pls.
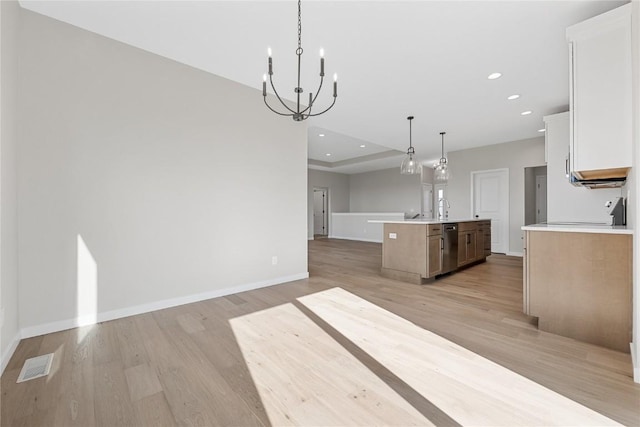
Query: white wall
x: 385, y: 191
x: 9, y: 11
x: 512, y: 155
x: 338, y: 185
x: 180, y: 183
x: 633, y: 206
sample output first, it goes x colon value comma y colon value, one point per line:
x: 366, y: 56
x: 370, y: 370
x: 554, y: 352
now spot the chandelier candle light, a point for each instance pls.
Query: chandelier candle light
x: 299, y: 114
x: 442, y: 173
x: 410, y: 164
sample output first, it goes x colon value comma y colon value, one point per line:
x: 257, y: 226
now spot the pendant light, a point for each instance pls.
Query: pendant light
x: 410, y: 163
x: 442, y: 173
x: 299, y: 114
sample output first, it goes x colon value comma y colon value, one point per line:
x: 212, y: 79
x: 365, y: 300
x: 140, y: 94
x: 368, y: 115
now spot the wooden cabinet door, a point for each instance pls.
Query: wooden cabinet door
x: 434, y: 255
x: 471, y: 246
x: 600, y: 91
x: 462, y: 248
x: 480, y: 243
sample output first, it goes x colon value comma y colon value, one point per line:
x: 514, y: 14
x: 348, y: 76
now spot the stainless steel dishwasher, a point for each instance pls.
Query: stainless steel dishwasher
x: 449, y: 247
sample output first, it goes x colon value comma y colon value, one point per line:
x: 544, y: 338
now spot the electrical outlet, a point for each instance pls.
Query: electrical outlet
x: 393, y: 236
x: 274, y: 260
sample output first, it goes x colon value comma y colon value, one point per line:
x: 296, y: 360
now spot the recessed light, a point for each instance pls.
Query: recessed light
x: 512, y: 97
x: 526, y: 113
x: 541, y: 130
x: 494, y: 76
x: 328, y: 154
x: 362, y: 146
x: 321, y: 134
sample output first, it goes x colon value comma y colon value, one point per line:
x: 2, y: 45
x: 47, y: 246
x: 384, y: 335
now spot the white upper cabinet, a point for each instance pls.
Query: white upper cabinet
x: 600, y: 95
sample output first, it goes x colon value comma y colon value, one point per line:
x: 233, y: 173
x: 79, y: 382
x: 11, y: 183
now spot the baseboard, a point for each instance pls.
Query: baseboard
x: 634, y: 363
x: 356, y: 239
x: 520, y: 254
x: 6, y: 356
x: 47, y: 328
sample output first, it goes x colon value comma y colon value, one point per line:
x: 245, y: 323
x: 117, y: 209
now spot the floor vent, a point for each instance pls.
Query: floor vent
x: 36, y: 367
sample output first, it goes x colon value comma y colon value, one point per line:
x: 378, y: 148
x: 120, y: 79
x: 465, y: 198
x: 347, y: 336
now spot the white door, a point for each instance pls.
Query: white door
x: 490, y: 200
x: 427, y: 200
x: 320, y: 212
x: 541, y: 199
x: 440, y: 200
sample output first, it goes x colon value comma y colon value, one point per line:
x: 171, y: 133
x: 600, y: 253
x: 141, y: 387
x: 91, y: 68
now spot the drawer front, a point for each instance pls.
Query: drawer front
x: 434, y: 229
x: 468, y: 226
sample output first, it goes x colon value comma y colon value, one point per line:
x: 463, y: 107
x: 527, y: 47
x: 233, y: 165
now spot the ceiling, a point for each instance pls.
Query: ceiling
x: 429, y: 59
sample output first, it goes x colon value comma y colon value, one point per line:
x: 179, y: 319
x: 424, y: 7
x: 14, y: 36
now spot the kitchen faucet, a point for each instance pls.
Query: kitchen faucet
x: 443, y: 214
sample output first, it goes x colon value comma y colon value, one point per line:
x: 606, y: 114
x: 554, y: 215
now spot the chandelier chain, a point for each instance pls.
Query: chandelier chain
x: 299, y: 51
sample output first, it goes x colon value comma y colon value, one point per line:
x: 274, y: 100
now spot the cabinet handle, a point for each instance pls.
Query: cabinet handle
x: 566, y: 166
x: 442, y: 244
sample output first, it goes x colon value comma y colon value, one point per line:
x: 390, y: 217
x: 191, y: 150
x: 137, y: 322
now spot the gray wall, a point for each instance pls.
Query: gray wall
x: 179, y: 182
x: 512, y: 155
x: 385, y: 191
x: 9, y: 11
x: 338, y: 185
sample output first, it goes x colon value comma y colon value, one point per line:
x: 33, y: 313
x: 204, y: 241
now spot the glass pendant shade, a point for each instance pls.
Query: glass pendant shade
x: 441, y: 172
x: 410, y: 164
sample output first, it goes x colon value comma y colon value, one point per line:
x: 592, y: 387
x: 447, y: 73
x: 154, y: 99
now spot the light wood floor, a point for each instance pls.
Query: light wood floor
x: 183, y: 366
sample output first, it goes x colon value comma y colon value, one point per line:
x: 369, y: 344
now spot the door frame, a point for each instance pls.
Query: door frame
x: 506, y: 226
x: 325, y: 190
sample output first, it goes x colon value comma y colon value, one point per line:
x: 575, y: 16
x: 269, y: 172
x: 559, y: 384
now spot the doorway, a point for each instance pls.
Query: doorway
x: 427, y: 201
x: 320, y: 212
x: 490, y: 200
x: 535, y: 195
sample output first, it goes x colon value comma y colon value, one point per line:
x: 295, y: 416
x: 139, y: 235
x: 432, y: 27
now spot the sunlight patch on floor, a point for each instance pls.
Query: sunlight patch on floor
x: 469, y: 388
x: 304, y: 377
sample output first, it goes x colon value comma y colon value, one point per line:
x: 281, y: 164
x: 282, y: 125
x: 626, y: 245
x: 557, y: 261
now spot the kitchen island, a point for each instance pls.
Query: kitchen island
x: 577, y: 281
x: 417, y: 251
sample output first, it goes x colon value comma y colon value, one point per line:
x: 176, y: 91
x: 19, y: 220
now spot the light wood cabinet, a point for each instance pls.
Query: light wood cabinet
x: 412, y: 252
x: 600, y: 95
x: 434, y: 255
x: 579, y: 285
x: 467, y: 250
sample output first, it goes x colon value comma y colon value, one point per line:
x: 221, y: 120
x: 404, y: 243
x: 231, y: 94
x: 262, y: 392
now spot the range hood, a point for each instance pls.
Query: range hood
x: 601, y: 178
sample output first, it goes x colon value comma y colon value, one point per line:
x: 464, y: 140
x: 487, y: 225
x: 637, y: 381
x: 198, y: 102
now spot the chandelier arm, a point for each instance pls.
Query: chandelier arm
x: 328, y: 108
x: 278, y: 96
x: 277, y: 112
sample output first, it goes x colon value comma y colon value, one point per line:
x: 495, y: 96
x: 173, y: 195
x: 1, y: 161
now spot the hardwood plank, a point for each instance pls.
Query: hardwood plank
x: 154, y: 411
x: 110, y: 389
x: 142, y: 381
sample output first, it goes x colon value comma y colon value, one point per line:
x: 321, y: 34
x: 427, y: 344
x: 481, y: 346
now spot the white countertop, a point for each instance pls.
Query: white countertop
x: 425, y: 221
x: 579, y: 228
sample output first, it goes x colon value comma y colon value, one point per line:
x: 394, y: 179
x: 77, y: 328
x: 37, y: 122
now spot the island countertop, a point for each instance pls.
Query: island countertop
x: 579, y: 228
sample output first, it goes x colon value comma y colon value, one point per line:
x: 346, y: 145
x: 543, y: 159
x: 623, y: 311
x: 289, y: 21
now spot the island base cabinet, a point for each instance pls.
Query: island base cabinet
x: 579, y: 285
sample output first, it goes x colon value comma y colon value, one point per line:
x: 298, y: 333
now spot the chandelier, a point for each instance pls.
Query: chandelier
x: 410, y: 163
x: 442, y: 173
x: 299, y: 114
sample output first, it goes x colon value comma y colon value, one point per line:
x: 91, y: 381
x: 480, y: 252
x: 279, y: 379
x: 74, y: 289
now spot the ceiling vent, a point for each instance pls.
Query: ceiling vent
x: 36, y: 367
